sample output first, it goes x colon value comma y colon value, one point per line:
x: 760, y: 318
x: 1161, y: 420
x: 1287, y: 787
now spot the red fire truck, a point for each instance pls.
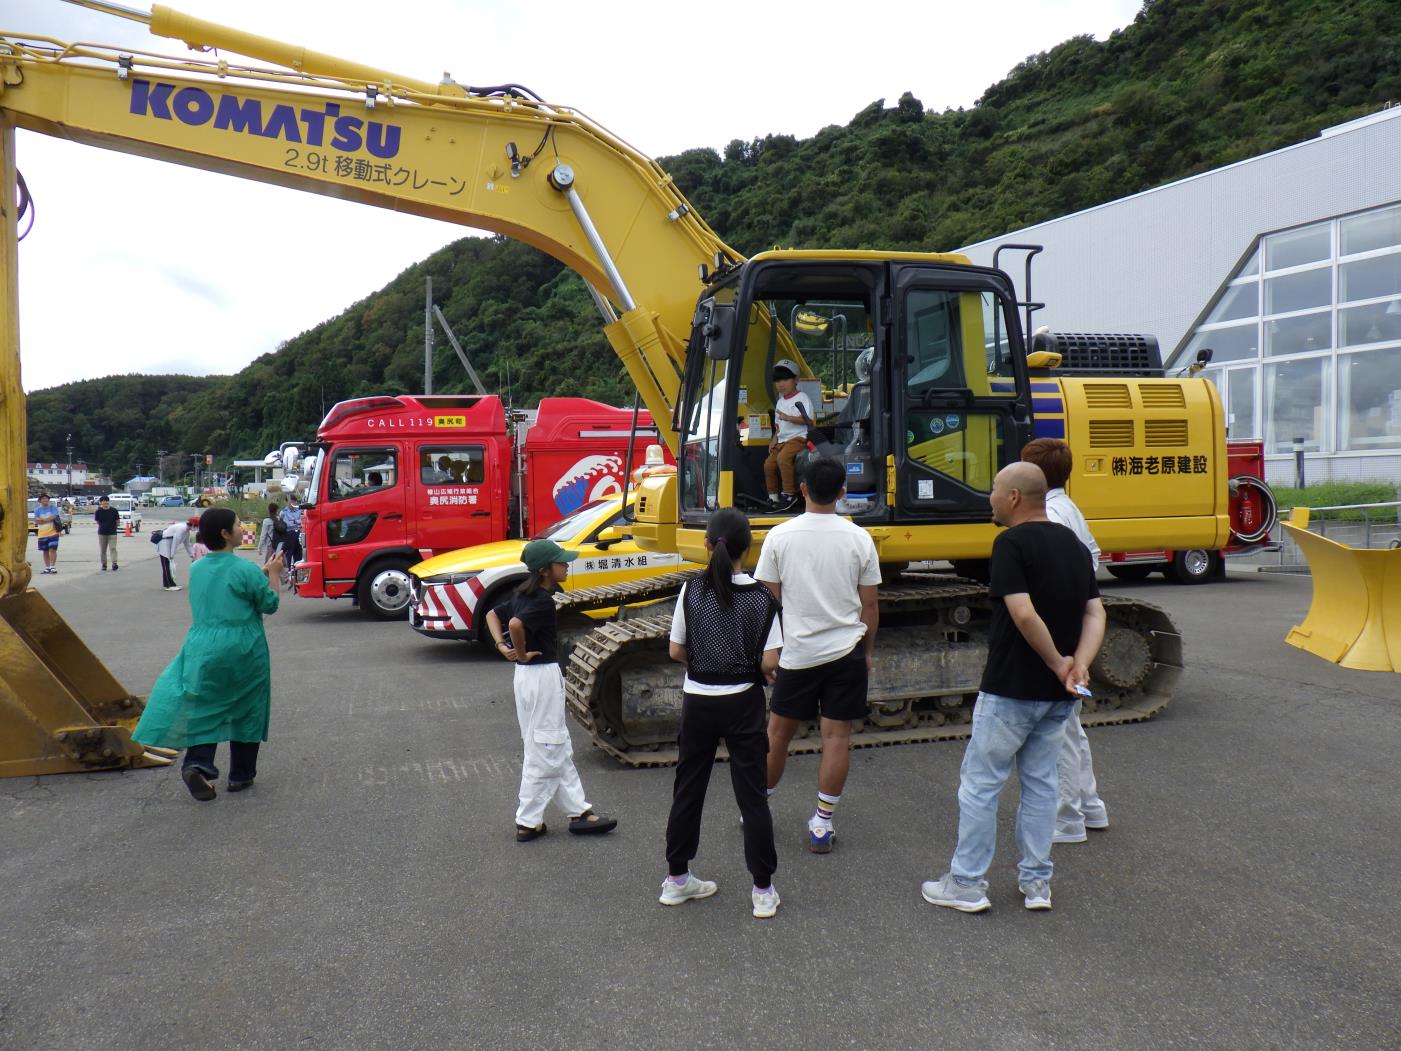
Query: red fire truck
x: 401, y: 479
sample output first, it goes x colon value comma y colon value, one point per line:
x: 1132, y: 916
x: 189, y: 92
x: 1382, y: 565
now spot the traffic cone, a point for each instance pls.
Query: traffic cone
x: 128, y: 527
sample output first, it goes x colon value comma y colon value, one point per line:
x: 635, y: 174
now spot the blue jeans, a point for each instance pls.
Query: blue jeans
x: 1007, y: 731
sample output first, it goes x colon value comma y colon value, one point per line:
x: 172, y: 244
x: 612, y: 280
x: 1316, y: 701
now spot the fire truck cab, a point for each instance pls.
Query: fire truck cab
x: 401, y: 479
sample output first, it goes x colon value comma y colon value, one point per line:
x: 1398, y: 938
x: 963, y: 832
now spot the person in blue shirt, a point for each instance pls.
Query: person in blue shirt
x: 47, y: 523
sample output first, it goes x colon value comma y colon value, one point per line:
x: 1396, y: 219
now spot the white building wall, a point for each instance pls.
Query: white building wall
x: 1152, y: 262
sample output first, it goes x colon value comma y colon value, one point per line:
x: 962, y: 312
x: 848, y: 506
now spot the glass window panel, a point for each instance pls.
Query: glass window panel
x: 1236, y: 343
x: 1373, y: 323
x: 1366, y: 233
x: 1294, y: 405
x: 1312, y: 288
x: 1369, y: 278
x: 1299, y: 335
x: 1251, y: 266
x: 1369, y: 400
x: 1296, y: 247
x: 1240, y: 405
x: 356, y: 472
x: 1240, y: 301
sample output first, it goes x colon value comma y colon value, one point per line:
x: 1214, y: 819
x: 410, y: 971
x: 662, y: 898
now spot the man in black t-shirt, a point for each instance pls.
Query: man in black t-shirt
x: 1045, y: 631
x: 108, y: 519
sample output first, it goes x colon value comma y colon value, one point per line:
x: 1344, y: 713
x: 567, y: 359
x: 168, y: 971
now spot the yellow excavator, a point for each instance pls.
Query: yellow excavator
x: 925, y: 384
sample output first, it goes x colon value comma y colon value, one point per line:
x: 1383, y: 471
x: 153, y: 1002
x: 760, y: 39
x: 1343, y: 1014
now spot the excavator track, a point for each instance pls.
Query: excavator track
x: 622, y: 688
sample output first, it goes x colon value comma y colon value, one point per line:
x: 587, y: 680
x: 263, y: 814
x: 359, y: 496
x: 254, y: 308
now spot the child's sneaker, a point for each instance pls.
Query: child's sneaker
x: 951, y: 894
x: 766, y: 902
x: 820, y: 837
x: 674, y: 893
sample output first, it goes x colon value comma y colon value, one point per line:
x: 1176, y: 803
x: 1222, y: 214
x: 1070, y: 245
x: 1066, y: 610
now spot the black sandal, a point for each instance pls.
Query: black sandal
x: 524, y: 834
x: 590, y: 822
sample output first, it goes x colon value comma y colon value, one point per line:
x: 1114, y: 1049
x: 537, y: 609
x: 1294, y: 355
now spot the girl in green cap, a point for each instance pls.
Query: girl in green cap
x: 523, y: 628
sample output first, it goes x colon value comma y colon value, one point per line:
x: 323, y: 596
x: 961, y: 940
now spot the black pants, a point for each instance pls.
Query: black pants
x: 243, y: 760
x: 167, y: 577
x: 739, y: 719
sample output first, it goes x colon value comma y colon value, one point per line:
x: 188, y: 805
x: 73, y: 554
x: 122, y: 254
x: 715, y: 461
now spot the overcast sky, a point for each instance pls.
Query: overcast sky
x: 143, y: 266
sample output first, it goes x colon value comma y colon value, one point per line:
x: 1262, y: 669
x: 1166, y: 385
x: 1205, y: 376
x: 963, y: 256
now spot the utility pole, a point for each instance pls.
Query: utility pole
x: 69, y: 441
x: 160, y: 465
x: 428, y: 338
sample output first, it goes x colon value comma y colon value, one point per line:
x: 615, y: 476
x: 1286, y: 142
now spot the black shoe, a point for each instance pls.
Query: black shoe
x: 104, y: 569
x: 239, y: 786
x: 525, y: 834
x: 198, y: 783
x: 786, y: 503
x: 115, y: 567
x: 591, y: 823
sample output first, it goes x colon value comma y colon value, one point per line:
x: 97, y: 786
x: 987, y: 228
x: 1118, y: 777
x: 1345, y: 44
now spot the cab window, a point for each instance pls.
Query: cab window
x: 357, y: 472
x: 451, y: 465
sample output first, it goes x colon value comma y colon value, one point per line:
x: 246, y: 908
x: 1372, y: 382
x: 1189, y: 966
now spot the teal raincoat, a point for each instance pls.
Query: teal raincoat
x: 219, y: 687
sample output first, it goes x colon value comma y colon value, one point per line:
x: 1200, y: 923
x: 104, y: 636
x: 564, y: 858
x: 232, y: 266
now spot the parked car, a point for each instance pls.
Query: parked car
x: 65, y: 516
x: 450, y: 594
x: 171, y: 501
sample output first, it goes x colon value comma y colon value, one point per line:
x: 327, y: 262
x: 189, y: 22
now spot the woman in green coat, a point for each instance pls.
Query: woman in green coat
x: 219, y: 686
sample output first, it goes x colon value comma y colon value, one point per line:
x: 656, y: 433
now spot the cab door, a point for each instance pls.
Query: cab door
x: 961, y: 403
x: 360, y: 509
x: 452, y: 502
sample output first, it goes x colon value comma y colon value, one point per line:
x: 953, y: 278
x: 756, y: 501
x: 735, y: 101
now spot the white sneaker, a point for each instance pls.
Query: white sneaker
x: 951, y: 894
x: 1036, y: 894
x: 680, y: 893
x: 766, y: 902
x: 1069, y: 836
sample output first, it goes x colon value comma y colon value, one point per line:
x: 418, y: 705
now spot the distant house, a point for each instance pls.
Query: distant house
x: 57, y: 473
x: 140, y: 484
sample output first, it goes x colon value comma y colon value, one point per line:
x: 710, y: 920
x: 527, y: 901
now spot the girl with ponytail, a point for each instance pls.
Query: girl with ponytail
x: 726, y: 632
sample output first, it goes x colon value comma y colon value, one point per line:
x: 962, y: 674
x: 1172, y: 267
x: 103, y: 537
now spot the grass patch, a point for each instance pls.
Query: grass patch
x: 1334, y: 494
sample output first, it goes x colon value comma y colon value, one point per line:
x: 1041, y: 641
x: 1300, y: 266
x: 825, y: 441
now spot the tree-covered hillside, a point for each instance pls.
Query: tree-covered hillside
x: 1189, y: 86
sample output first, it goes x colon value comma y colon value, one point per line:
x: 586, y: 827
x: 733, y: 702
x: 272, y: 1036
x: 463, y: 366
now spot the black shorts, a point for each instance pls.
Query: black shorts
x: 835, y: 690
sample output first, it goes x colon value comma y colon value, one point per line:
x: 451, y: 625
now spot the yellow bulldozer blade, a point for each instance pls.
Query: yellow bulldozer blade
x: 1355, y: 616
x: 61, y: 710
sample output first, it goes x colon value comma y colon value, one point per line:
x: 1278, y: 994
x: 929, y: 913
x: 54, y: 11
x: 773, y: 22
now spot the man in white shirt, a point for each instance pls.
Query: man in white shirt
x: 825, y: 573
x: 1080, y: 806
x: 790, y: 430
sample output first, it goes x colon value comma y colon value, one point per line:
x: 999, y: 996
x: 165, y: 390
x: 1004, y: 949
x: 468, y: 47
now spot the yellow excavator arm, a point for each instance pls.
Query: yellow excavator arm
x: 538, y: 173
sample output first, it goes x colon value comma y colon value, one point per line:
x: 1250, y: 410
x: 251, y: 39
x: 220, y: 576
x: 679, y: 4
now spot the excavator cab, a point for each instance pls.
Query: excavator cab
x: 915, y: 366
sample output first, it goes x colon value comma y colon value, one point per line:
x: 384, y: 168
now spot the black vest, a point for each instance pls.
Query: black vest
x: 724, y: 647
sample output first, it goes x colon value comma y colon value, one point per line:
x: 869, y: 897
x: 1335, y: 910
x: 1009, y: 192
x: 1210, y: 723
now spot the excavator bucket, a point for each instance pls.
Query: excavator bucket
x: 61, y: 710
x: 1355, y: 616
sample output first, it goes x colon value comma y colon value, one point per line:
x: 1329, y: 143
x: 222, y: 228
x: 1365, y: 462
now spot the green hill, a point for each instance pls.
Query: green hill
x: 1189, y: 86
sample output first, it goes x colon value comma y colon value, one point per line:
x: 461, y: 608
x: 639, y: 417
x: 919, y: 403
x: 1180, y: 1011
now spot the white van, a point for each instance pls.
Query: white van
x: 127, y: 508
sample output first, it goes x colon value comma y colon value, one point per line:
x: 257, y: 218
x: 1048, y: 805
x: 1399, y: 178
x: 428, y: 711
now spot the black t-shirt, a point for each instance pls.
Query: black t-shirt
x: 537, y: 615
x: 1047, y: 562
x: 107, y: 520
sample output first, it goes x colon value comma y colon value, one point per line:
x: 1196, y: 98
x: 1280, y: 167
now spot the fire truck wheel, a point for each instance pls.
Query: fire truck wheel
x: 1193, y: 567
x: 383, y: 591
x: 1130, y: 572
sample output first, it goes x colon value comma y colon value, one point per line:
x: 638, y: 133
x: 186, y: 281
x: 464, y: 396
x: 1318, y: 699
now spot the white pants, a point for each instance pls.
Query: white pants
x: 1075, y: 773
x: 548, y: 769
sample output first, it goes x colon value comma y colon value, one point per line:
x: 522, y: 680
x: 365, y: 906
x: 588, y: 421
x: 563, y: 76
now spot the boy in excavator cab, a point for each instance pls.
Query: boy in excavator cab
x: 792, y: 417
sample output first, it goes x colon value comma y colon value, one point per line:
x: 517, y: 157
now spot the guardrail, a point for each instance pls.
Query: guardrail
x: 1378, y: 527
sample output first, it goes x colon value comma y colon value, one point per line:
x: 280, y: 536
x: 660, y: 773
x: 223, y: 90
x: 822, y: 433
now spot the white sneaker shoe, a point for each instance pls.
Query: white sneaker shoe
x: 1069, y: 836
x: 1036, y: 895
x: 951, y: 894
x: 680, y: 893
x: 766, y: 902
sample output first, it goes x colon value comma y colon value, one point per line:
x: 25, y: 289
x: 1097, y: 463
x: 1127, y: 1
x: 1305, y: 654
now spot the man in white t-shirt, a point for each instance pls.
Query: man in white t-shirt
x: 1080, y: 806
x: 790, y: 431
x: 825, y: 573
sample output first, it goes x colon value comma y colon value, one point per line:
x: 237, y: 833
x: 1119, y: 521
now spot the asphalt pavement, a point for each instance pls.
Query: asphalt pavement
x: 368, y: 891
